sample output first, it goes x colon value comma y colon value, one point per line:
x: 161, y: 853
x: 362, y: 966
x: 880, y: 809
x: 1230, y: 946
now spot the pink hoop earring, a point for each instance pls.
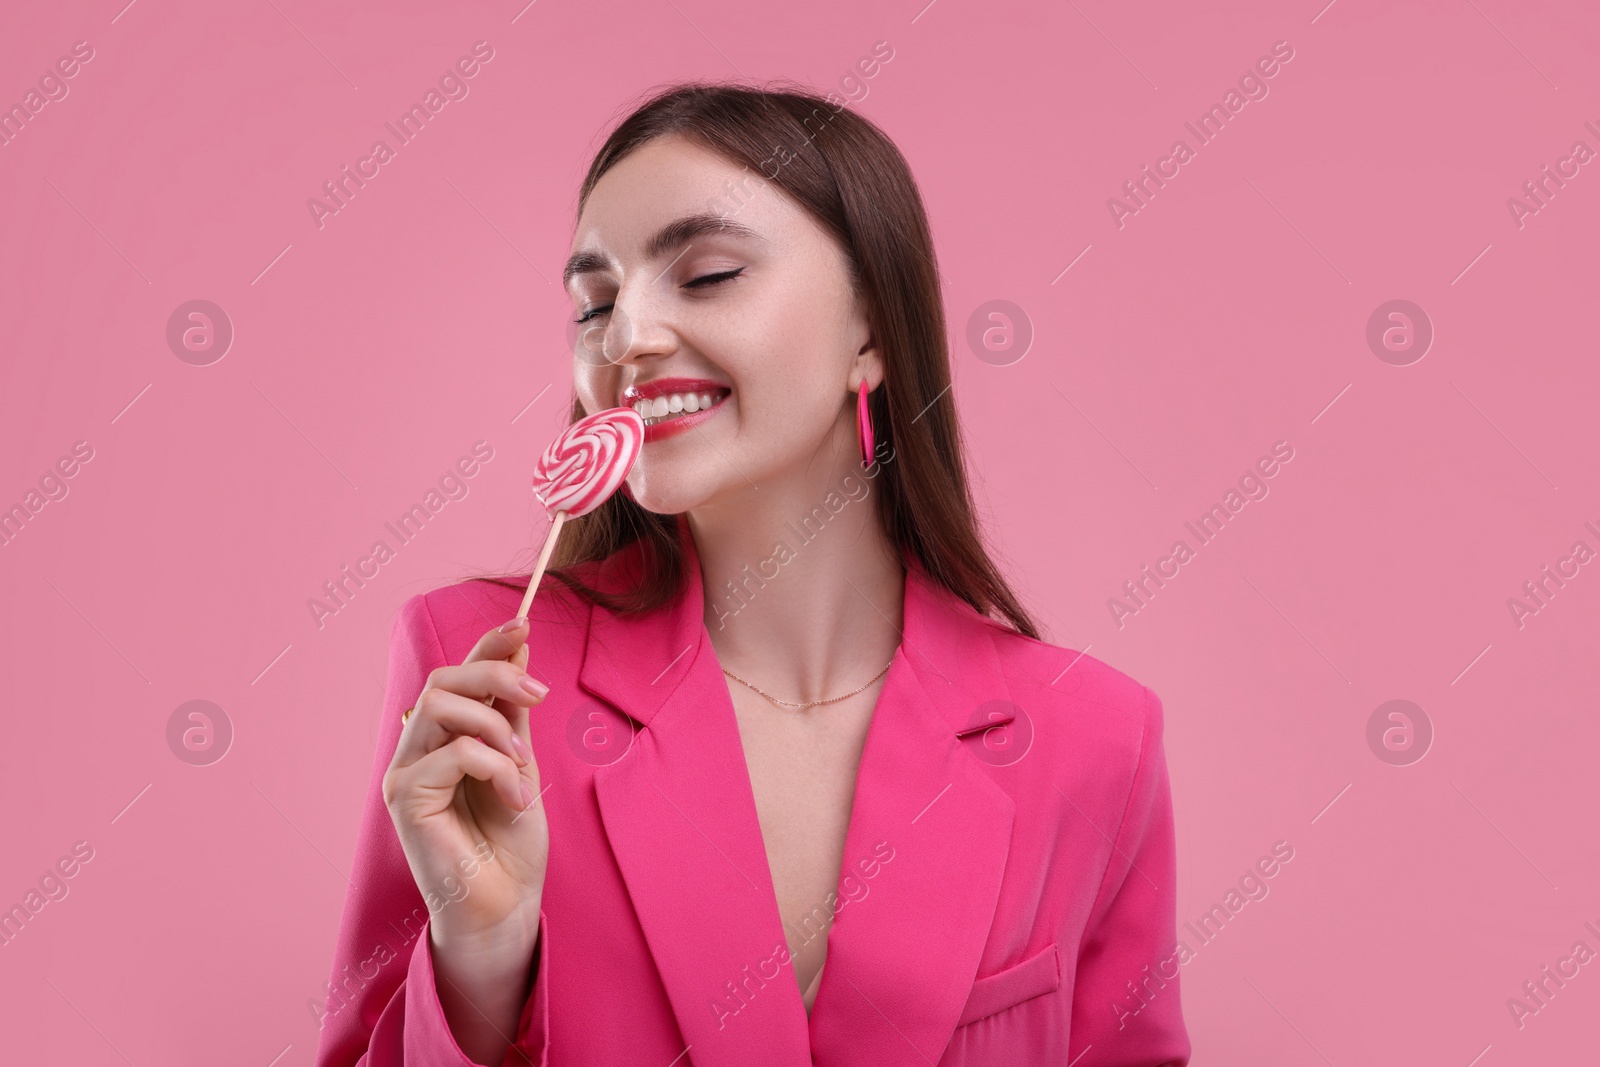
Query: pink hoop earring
x: 864, y: 424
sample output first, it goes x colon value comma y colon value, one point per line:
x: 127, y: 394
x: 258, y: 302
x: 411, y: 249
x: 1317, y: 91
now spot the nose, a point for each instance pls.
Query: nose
x: 633, y: 330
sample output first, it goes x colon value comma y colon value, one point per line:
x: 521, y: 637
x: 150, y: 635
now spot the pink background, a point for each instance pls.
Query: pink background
x: 1229, y: 313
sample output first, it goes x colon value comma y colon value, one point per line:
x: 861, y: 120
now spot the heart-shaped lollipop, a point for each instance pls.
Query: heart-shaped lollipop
x: 579, y: 472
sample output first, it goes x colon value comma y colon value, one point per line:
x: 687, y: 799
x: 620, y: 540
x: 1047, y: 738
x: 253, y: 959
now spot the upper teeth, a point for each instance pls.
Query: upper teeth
x: 673, y: 404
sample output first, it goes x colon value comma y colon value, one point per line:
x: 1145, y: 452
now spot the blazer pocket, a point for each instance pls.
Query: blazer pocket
x: 1034, y: 976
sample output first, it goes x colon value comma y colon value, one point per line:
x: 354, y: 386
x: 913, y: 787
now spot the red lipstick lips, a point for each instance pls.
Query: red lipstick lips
x: 674, y: 424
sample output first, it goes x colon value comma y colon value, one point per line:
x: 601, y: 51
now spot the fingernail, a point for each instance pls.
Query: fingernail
x: 537, y: 688
x: 514, y: 625
x: 527, y: 797
x: 521, y: 746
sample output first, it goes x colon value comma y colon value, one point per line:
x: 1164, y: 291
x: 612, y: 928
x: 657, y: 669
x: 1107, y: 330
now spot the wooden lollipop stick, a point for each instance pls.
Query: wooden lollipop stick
x: 544, y: 558
x: 520, y: 658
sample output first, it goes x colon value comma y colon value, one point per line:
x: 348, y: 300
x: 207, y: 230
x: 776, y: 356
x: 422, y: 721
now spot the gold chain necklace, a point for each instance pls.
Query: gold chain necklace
x: 813, y: 703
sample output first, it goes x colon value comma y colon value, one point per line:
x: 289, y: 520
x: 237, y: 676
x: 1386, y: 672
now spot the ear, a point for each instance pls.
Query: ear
x: 867, y: 366
x: 868, y: 363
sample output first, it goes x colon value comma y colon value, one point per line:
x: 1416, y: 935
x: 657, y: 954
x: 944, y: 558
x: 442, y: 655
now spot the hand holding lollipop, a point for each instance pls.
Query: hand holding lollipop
x: 442, y: 795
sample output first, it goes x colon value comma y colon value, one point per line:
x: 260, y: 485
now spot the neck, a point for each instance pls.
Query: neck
x: 803, y: 592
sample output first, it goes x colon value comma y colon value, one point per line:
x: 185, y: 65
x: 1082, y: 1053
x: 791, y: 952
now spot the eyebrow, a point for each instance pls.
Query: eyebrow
x: 679, y: 231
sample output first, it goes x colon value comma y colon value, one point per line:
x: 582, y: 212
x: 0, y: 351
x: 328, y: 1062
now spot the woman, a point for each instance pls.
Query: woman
x: 780, y: 788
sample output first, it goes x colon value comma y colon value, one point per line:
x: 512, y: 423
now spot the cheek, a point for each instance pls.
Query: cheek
x: 800, y: 404
x: 596, y: 387
x: 789, y: 366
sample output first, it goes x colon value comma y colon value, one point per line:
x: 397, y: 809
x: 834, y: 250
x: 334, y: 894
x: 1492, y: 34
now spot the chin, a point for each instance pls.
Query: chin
x: 665, y: 496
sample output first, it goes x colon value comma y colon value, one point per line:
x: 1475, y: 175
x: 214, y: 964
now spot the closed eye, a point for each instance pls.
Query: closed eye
x: 698, y: 283
x: 713, y: 279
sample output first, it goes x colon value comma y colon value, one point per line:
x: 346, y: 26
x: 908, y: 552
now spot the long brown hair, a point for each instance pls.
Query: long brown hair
x: 851, y: 178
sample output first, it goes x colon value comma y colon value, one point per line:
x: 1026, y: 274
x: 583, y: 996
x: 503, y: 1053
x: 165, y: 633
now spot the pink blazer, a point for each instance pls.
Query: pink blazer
x: 1007, y: 893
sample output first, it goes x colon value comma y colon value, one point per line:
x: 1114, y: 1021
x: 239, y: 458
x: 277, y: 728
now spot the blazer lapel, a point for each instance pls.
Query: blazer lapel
x: 905, y: 945
x: 680, y: 817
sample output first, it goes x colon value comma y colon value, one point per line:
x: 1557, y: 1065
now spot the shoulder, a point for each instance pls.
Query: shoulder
x: 1084, y: 755
x: 1090, y: 709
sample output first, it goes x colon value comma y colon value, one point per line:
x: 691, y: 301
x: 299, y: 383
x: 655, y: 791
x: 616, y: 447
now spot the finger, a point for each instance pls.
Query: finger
x: 517, y: 714
x: 440, y: 716
x: 490, y: 678
x: 441, y: 771
x: 499, y: 643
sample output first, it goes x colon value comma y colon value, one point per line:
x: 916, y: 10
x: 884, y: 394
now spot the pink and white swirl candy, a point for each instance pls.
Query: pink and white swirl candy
x: 589, y: 461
